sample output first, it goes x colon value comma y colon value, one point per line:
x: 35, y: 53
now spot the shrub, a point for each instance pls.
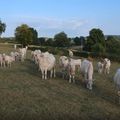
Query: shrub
x: 82, y: 54
x: 98, y: 48
x: 53, y: 50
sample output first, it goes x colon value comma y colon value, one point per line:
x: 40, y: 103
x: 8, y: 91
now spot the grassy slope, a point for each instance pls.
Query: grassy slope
x: 23, y: 95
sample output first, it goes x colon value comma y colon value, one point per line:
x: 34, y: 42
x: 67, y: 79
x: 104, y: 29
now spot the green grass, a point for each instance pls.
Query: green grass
x: 24, y: 95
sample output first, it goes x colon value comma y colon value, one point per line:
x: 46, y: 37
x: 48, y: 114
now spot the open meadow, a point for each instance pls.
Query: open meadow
x: 25, y: 96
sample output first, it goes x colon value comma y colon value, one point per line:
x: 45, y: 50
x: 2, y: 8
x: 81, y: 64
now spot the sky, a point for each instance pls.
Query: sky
x: 49, y: 17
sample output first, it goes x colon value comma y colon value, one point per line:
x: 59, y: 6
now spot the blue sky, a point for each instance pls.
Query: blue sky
x: 49, y: 17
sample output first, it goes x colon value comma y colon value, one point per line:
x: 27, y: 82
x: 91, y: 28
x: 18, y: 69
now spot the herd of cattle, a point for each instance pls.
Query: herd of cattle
x: 47, y: 62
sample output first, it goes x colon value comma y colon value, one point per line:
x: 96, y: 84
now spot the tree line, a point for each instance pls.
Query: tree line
x: 96, y: 41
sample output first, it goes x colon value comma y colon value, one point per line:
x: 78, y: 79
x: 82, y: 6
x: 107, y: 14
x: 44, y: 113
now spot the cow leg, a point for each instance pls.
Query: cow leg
x: 54, y: 73
x: 108, y: 70
x: 69, y: 78
x: 42, y: 71
x: 89, y: 85
x: 100, y: 71
x: 45, y: 74
x: 51, y: 73
x: 73, y: 79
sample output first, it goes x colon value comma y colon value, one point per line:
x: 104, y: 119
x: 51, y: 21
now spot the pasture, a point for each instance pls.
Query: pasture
x: 24, y: 95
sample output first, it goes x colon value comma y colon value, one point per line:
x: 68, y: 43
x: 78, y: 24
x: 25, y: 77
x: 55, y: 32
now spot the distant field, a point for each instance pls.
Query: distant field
x: 25, y: 96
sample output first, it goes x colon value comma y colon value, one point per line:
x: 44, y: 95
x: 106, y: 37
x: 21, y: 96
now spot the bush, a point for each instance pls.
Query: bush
x: 113, y: 57
x: 98, y: 48
x: 63, y: 51
x: 53, y: 50
x: 82, y: 54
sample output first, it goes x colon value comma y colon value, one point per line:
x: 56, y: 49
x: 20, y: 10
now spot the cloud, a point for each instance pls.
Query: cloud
x: 72, y: 24
x: 51, y: 25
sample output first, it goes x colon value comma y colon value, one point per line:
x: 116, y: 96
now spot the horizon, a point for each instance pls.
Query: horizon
x: 68, y: 37
x: 74, y: 17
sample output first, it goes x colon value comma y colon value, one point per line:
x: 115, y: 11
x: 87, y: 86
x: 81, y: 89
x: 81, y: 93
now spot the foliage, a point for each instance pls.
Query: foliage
x: 82, y: 39
x: 49, y: 42
x: 41, y: 41
x: 113, y: 45
x: 84, y: 54
x: 2, y: 27
x: 61, y: 40
x: 98, y: 48
x: 53, y: 50
x: 96, y: 36
x: 7, y: 40
x: 35, y: 36
x: 79, y: 40
x: 24, y: 35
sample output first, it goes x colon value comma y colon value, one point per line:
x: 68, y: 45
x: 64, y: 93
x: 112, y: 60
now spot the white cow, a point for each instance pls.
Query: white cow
x: 100, y: 66
x: 8, y: 60
x: 87, y: 72
x: 117, y: 79
x: 117, y: 82
x: 47, y: 63
x: 107, y: 65
x: 72, y: 65
x: 23, y: 52
x: 76, y: 62
x: 15, y: 55
x: 63, y: 62
x: 69, y: 65
x: 34, y: 55
x: 70, y: 53
x: 71, y: 70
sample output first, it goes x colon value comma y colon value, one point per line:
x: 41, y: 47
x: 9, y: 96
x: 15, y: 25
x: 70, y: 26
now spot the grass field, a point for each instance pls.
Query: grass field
x: 25, y: 96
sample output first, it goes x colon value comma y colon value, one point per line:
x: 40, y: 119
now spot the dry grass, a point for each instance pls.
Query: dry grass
x: 24, y: 96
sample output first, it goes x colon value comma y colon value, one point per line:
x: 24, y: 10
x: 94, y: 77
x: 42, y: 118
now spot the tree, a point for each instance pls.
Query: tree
x: 35, y: 36
x: 41, y: 41
x: 95, y: 37
x: 82, y: 40
x: 77, y: 41
x: 113, y: 45
x: 61, y: 40
x: 98, y: 48
x: 2, y: 27
x: 49, y: 42
x: 24, y: 35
